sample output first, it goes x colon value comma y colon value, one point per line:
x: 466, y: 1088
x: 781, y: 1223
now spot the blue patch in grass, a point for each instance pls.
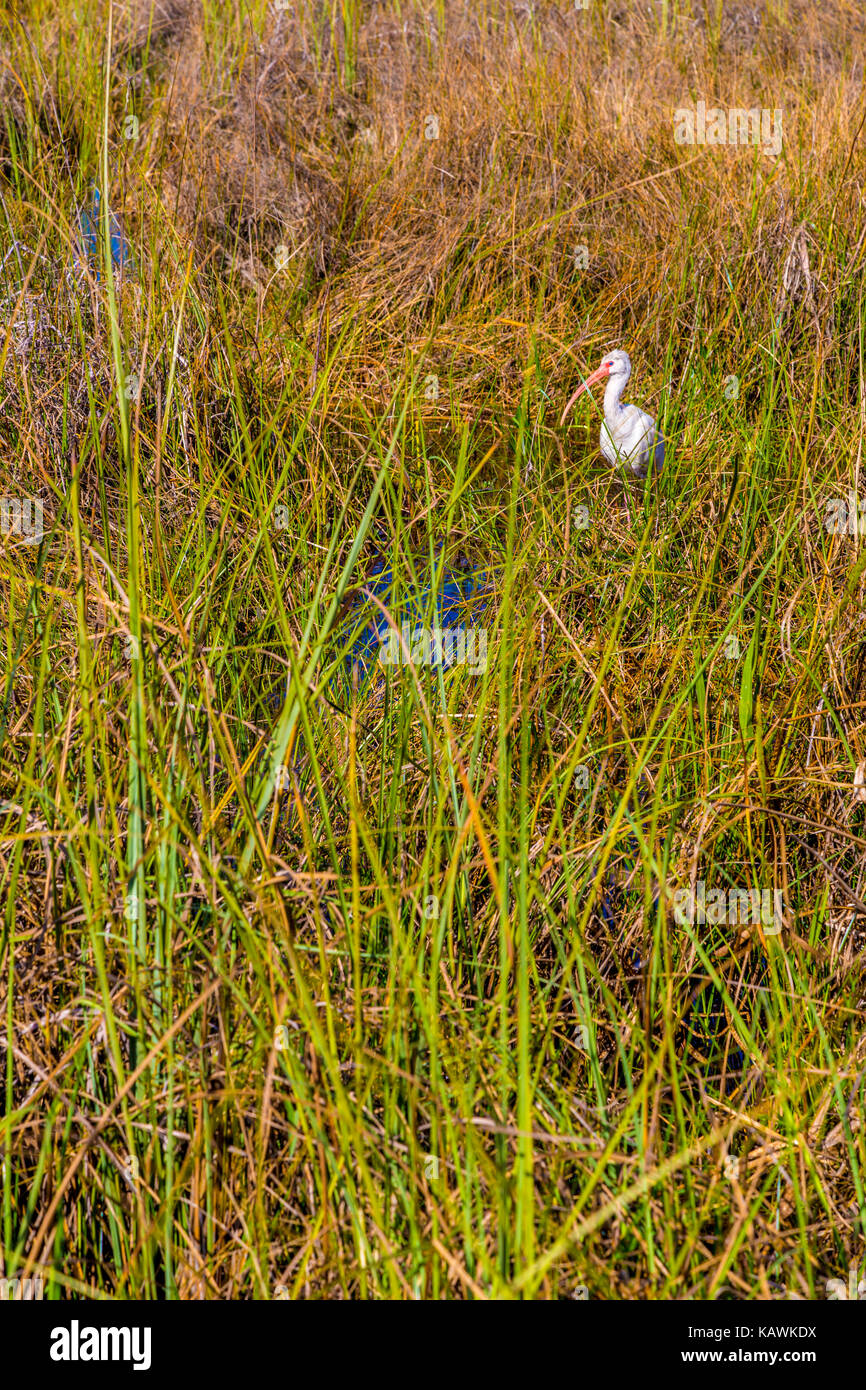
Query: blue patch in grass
x: 86, y: 246
x: 457, y: 604
x: 463, y: 596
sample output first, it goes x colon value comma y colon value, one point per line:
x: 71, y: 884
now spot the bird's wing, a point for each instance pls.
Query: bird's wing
x: 654, y: 440
x: 637, y: 432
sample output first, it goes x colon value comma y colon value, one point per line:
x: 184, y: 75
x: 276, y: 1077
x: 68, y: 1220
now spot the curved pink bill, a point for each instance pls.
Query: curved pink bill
x: 598, y: 375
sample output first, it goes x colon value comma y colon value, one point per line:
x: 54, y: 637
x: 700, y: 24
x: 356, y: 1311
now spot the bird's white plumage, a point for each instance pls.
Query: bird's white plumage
x: 628, y: 435
x: 632, y: 437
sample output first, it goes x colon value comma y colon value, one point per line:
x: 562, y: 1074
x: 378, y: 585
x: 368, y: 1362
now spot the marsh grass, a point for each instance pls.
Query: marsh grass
x: 331, y: 984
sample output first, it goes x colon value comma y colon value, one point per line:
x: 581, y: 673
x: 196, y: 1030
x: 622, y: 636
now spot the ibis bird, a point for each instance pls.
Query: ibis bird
x: 628, y: 434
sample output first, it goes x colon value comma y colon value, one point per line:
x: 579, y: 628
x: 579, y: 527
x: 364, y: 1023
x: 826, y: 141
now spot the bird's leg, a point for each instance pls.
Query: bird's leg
x: 626, y: 491
x: 611, y: 475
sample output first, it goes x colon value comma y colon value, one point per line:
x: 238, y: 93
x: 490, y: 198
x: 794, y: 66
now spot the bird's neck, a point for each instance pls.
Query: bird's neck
x: 613, y: 395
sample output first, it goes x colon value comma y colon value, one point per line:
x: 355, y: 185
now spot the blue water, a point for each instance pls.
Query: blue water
x: 461, y: 599
x: 85, y: 252
x: 459, y: 602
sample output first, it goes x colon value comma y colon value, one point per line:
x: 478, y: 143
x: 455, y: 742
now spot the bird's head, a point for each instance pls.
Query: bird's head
x: 614, y: 364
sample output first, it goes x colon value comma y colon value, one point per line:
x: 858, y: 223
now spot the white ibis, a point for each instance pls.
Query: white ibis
x: 628, y: 434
